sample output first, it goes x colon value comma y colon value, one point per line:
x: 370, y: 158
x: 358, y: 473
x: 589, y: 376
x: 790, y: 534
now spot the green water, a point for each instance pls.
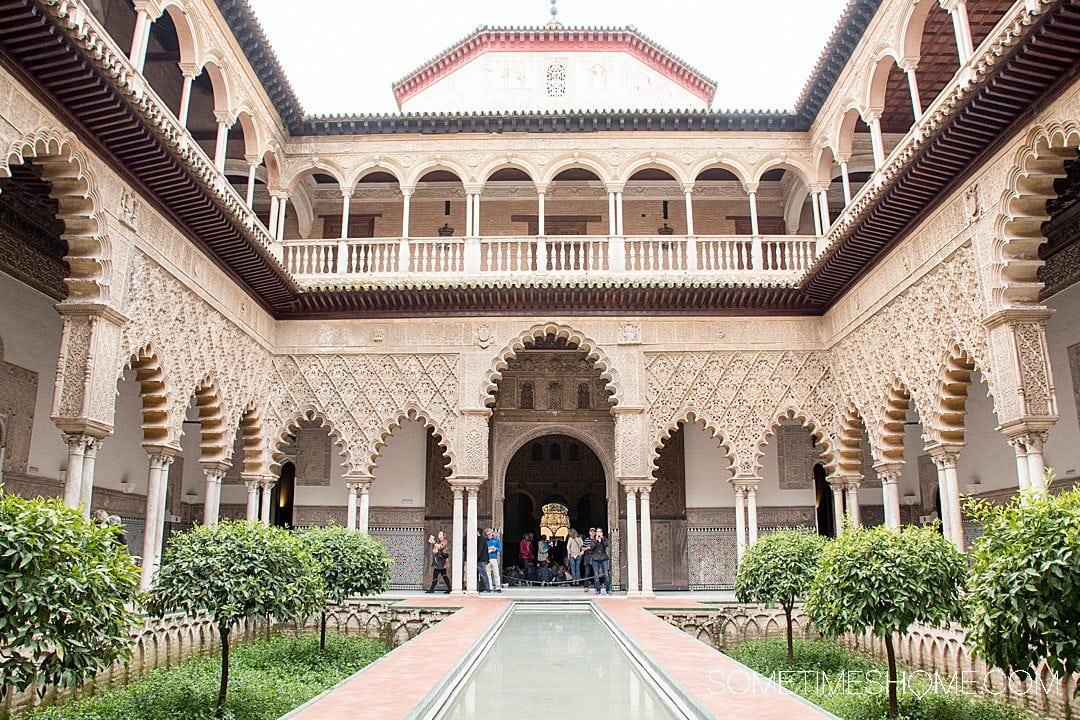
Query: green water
x: 556, y: 664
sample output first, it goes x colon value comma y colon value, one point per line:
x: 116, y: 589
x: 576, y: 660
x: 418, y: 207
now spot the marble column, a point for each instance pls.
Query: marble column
x: 190, y: 73
x: 613, y: 226
x: 948, y: 488
x: 646, y: 543
x: 619, y: 227
x: 350, y: 507
x: 823, y: 200
x: 213, y: 474
x: 913, y: 91
x: 876, y: 143
x: 540, y: 210
x: 633, y: 587
x: 689, y: 195
x: 1033, y: 444
x: 221, y: 146
x: 837, y: 488
x: 283, y: 211
x: 157, y: 485
x: 73, y: 481
x: 457, y: 542
x: 140, y: 39
x: 815, y: 210
x: 851, y: 491
x: 468, y: 215
x: 249, y: 198
x: 751, y: 515
x: 86, y: 492
x: 752, y: 196
x: 363, y: 518
x: 471, y: 528
x: 846, y: 180
x: 252, y: 500
x: 740, y: 522
x: 1023, y: 481
x: 961, y: 29
x: 889, y: 474
x: 268, y: 483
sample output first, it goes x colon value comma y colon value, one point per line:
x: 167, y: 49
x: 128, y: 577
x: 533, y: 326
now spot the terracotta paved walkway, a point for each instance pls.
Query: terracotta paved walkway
x: 393, y: 686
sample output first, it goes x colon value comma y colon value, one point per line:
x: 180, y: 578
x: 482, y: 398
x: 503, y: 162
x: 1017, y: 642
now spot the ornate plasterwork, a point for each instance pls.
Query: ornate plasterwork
x: 192, y: 342
x: 741, y: 396
x: 365, y: 396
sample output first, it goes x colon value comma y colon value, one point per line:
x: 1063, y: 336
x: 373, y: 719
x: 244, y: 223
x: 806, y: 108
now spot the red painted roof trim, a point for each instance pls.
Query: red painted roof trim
x: 562, y: 40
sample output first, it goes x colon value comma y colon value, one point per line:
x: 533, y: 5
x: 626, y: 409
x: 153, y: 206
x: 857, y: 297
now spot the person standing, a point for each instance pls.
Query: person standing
x: 438, y: 561
x: 601, y: 561
x: 586, y: 557
x: 573, y: 552
x: 543, y: 550
x: 525, y: 552
x: 481, y: 561
x: 494, y: 549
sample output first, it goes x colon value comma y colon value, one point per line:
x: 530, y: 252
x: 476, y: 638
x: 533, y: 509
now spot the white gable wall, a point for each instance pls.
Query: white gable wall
x: 510, y: 81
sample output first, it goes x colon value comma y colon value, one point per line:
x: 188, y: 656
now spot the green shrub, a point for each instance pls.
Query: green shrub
x: 1024, y: 591
x: 818, y: 666
x: 65, y: 585
x: 236, y: 571
x: 778, y: 570
x: 269, y: 679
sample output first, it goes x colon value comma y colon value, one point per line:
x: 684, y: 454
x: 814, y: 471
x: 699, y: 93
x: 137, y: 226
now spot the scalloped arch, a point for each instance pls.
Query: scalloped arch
x: 690, y: 416
x: 817, y: 428
x: 593, y: 351
x: 309, y: 414
x: 252, y: 439
x: 1019, y: 234
x: 74, y: 187
x: 410, y: 413
x: 212, y: 431
x: 951, y: 393
x: 153, y: 392
x: 895, y: 403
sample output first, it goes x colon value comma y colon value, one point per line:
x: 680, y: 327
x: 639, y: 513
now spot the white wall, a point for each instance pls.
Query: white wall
x: 518, y: 81
x: 707, y: 469
x: 31, y: 328
x: 121, y: 455
x: 1063, y: 329
x: 769, y: 493
x: 986, y: 458
x: 400, y: 472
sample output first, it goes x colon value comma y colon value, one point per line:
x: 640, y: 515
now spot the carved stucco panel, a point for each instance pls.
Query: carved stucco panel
x: 1034, y: 368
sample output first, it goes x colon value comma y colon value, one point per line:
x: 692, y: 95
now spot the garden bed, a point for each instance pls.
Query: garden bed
x: 853, y: 686
x: 268, y: 679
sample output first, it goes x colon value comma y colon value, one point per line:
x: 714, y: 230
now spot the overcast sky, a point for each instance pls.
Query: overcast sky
x: 341, y: 56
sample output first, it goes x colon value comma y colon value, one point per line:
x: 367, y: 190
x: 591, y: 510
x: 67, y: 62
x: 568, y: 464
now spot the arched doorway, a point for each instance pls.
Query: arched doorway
x: 552, y: 469
x: 826, y: 522
x: 281, y: 497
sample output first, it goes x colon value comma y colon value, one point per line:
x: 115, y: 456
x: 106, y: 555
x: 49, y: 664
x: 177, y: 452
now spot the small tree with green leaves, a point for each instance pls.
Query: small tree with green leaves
x: 236, y: 571
x: 778, y: 570
x: 884, y: 580
x: 65, y: 585
x: 351, y: 563
x: 1024, y: 591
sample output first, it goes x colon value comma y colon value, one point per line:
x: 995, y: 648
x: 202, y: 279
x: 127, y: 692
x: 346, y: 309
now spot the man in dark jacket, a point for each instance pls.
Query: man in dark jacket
x: 482, y: 561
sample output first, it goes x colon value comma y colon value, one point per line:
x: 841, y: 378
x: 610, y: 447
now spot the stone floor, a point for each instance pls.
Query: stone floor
x: 393, y: 686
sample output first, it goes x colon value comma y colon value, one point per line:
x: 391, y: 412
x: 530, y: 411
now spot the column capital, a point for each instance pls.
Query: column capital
x: 215, y: 466
x: 745, y: 482
x: 836, y: 482
x: 688, y: 188
x: 359, y: 482
x: 224, y: 117
x: 162, y: 453
x: 871, y: 115
x: 190, y: 70
x: 945, y: 456
x: 466, y: 482
x: 267, y: 482
x: 843, y: 159
x: 252, y: 485
x: 889, y: 472
x: 750, y: 187
x: 473, y: 188
x: 408, y: 190
x: 908, y: 64
x: 613, y: 187
x: 153, y: 8
x: 1013, y: 316
x: 636, y: 484
x: 950, y: 6
x: 541, y: 188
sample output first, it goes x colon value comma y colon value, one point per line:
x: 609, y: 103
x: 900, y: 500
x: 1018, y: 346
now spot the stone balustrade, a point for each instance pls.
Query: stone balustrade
x: 736, y: 258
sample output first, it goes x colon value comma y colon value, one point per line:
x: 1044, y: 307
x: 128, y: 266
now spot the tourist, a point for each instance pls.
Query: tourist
x: 525, y: 552
x: 116, y: 522
x: 481, y: 562
x: 601, y: 561
x: 543, y: 549
x: 573, y: 552
x: 494, y: 549
x: 586, y: 557
x: 438, y: 561
x: 545, y: 574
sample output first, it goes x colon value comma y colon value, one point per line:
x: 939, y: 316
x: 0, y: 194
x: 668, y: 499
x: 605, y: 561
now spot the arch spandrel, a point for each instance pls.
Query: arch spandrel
x: 312, y: 415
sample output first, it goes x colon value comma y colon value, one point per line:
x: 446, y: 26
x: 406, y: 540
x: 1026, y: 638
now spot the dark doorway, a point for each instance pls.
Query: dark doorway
x: 281, y: 497
x: 826, y: 522
x: 553, y: 474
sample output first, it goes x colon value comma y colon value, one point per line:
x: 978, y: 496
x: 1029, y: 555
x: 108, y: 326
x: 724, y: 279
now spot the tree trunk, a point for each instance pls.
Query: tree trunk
x: 223, y: 630
x: 790, y: 644
x: 890, y: 654
x: 322, y: 633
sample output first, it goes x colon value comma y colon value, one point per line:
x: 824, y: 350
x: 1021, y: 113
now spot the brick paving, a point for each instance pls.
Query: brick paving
x: 392, y: 687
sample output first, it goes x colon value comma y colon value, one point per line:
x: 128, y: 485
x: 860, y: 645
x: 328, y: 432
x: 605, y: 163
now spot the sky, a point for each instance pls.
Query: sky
x: 342, y: 56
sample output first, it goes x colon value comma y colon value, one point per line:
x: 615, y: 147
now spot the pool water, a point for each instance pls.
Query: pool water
x: 563, y: 663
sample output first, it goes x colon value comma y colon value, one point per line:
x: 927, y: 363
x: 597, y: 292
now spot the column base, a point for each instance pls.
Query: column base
x: 459, y: 592
x: 644, y: 594
x: 471, y: 593
x: 633, y: 593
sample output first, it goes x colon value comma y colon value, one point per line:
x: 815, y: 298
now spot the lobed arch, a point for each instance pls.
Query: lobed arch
x: 212, y: 431
x: 485, y: 173
x: 951, y: 393
x: 849, y: 441
x: 583, y: 162
x: 593, y: 351
x: 735, y: 167
x: 252, y: 440
x: 811, y: 423
x: 451, y: 166
x: 896, y: 402
x: 656, y: 162
x: 357, y: 174
x: 1039, y: 162
x: 410, y: 413
x: 311, y: 414
x: 690, y: 416
x: 153, y: 392
x: 67, y: 167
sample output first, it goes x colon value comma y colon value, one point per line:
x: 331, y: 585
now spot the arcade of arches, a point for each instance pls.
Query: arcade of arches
x: 777, y: 359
